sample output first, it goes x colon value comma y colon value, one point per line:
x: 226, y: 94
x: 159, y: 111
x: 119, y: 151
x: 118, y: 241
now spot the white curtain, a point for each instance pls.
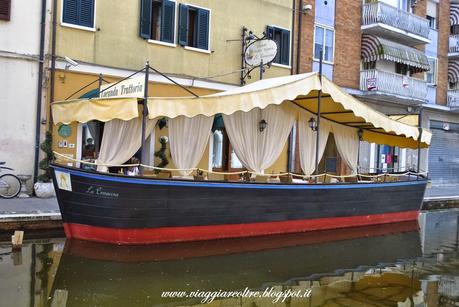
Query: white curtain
x: 347, y: 143
x: 188, y: 138
x: 121, y: 140
x: 307, y: 141
x: 259, y: 150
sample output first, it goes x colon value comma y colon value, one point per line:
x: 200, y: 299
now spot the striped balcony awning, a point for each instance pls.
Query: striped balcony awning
x: 375, y: 48
x: 454, y: 14
x: 453, y: 71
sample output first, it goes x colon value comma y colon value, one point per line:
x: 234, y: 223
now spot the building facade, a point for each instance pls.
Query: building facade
x: 196, y: 42
x: 393, y: 55
x: 22, y: 76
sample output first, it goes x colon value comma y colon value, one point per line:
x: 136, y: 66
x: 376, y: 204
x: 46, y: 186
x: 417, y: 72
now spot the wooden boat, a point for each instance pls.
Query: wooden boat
x: 126, y: 210
x: 118, y: 209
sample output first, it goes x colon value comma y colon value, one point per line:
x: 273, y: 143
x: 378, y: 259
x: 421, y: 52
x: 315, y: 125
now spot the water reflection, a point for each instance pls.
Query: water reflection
x: 391, y: 265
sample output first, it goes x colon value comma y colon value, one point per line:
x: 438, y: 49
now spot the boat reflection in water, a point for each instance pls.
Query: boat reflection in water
x: 92, y: 274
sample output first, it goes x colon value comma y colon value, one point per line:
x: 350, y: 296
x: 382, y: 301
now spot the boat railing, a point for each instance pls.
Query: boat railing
x: 250, y: 176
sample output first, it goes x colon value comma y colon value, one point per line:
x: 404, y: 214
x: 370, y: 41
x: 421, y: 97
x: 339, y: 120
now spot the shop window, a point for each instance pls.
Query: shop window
x: 194, y: 27
x: 78, y: 13
x: 402, y: 69
x: 223, y: 156
x: 324, y: 38
x: 158, y: 20
x: 282, y: 39
x: 5, y: 10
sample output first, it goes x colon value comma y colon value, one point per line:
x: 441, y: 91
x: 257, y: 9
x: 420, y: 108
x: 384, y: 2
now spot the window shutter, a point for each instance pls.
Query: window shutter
x: 285, y: 48
x: 86, y: 13
x: 183, y: 25
x: 70, y: 11
x: 5, y: 10
x: 269, y: 32
x: 145, y: 19
x: 203, y: 29
x: 167, y: 21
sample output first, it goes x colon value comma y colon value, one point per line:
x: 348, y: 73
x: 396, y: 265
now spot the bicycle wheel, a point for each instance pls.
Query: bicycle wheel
x: 10, y: 186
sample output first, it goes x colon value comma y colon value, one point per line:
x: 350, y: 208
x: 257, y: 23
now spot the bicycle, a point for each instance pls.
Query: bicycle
x: 10, y: 185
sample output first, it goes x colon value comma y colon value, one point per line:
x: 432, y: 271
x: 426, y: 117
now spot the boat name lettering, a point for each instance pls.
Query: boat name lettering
x: 99, y: 191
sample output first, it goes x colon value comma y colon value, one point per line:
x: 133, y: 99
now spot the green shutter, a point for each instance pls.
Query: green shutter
x: 269, y: 32
x: 145, y: 19
x: 183, y: 25
x: 167, y: 21
x: 285, y: 48
x: 202, y: 41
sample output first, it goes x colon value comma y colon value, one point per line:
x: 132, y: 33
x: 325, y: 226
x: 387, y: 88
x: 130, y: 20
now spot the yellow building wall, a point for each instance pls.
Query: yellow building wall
x: 116, y: 41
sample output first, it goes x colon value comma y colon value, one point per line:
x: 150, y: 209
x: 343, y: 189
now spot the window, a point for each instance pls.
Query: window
x: 402, y: 69
x: 194, y: 27
x: 5, y: 9
x: 282, y: 39
x: 78, y: 12
x: 157, y: 20
x: 454, y: 29
x: 431, y: 75
x: 324, y: 38
x: 432, y: 22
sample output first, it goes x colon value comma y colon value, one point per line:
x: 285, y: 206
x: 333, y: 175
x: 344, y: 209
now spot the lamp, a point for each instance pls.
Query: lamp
x: 360, y: 134
x: 312, y: 124
x: 262, y: 125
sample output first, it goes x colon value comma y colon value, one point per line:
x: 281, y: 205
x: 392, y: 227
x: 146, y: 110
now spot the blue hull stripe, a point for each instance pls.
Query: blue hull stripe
x: 270, y: 186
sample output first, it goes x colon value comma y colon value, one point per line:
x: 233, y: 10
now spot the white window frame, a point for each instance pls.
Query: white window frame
x: 69, y: 25
x: 208, y: 50
x: 160, y: 42
x: 289, y: 66
x: 325, y: 27
x: 435, y: 76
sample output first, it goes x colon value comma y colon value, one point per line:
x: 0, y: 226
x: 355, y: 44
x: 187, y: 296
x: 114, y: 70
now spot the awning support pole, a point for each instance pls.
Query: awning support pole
x: 144, y: 115
x: 419, y: 140
x: 319, y: 98
x: 261, y: 69
x: 101, y: 79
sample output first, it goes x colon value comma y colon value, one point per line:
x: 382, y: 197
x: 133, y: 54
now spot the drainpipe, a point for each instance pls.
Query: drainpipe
x: 39, y: 88
x: 53, y: 63
x: 298, y: 45
x: 290, y: 139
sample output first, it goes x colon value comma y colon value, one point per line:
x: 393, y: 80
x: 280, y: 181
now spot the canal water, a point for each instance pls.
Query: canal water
x: 406, y: 264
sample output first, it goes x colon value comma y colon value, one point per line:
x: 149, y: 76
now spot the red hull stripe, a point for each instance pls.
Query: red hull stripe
x: 139, y: 236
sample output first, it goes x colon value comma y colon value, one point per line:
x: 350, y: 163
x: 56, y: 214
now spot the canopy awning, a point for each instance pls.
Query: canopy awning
x: 375, y: 48
x: 454, y: 14
x: 102, y: 109
x: 297, y: 90
x: 453, y: 71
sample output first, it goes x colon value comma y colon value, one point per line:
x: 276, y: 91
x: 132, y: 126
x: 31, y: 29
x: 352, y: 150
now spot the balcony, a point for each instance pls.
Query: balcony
x: 453, y: 100
x: 386, y: 21
x: 393, y: 87
x: 453, y: 52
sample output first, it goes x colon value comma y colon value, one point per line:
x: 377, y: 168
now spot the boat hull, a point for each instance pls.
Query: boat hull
x: 126, y: 210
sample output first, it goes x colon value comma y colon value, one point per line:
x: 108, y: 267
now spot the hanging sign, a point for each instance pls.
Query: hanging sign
x: 132, y: 87
x: 260, y: 50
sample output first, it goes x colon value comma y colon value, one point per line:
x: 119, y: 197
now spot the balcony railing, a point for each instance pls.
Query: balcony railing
x: 453, y: 99
x: 379, y: 12
x: 454, y: 43
x: 381, y: 82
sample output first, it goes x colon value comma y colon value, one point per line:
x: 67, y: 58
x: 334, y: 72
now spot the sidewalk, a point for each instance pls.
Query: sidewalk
x: 34, y: 213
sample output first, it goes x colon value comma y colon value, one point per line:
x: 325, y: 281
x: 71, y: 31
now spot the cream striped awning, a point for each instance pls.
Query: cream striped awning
x: 454, y: 14
x: 375, y: 48
x: 453, y: 71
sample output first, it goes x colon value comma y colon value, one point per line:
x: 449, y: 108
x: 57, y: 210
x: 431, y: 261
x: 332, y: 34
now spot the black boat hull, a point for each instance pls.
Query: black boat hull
x: 127, y: 210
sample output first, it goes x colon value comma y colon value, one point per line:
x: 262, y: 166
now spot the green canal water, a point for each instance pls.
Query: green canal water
x: 406, y: 264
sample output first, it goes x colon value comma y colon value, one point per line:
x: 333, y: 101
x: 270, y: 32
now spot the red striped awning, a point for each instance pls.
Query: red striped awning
x: 454, y: 14
x: 453, y: 71
x: 375, y: 48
